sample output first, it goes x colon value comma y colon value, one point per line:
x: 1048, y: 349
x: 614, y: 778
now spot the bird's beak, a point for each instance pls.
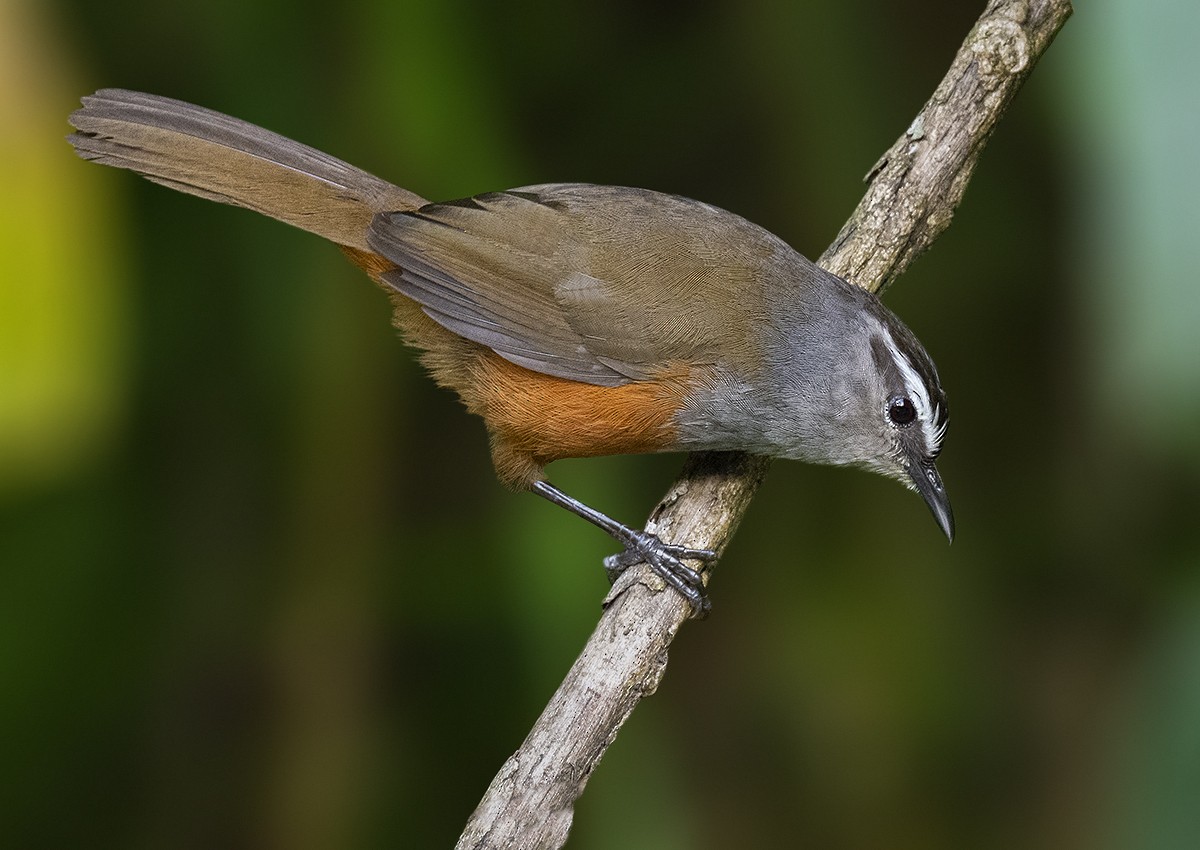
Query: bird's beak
x: 929, y: 484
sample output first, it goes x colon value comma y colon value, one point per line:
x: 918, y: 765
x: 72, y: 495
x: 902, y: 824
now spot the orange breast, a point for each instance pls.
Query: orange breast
x: 533, y: 418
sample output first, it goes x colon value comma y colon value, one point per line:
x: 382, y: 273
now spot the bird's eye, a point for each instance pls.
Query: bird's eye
x: 901, y: 411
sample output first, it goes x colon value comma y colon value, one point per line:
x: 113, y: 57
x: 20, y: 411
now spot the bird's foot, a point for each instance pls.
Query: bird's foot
x: 667, y: 562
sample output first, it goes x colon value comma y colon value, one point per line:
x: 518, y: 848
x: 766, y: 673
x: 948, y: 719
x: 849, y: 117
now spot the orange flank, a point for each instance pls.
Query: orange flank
x: 536, y: 418
x: 533, y: 418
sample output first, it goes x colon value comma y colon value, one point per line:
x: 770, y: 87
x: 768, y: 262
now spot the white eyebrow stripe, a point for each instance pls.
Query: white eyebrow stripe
x: 941, y: 429
x: 927, y: 414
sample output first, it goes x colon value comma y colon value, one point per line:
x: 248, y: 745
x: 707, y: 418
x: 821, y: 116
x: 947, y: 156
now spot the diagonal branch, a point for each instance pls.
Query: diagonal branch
x: 912, y: 193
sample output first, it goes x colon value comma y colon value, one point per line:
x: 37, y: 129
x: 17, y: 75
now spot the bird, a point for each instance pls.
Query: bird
x: 581, y: 320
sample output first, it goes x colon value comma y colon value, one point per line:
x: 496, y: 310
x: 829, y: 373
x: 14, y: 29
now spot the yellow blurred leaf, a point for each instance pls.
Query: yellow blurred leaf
x: 63, y: 309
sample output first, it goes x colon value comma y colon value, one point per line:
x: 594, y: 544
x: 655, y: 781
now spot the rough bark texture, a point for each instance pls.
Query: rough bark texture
x: 912, y: 193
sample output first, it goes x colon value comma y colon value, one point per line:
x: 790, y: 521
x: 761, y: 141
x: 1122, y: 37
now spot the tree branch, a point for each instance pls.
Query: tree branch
x: 912, y: 193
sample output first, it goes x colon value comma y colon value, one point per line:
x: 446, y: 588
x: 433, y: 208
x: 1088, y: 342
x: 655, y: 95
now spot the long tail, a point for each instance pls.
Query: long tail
x: 225, y: 159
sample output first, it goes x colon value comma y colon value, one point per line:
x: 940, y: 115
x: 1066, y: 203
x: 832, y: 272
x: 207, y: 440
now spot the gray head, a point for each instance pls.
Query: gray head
x: 915, y: 413
x: 842, y: 382
x: 888, y: 409
x: 854, y: 386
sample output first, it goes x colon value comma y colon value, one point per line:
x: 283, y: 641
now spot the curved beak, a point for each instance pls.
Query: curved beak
x: 928, y: 483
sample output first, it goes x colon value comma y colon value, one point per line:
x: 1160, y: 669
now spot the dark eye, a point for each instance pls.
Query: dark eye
x: 901, y: 411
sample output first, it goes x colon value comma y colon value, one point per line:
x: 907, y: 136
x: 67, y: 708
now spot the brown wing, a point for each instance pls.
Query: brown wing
x: 603, y: 285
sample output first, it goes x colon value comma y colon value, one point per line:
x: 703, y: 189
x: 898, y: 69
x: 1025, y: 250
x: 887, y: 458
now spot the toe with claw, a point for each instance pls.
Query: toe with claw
x: 667, y: 562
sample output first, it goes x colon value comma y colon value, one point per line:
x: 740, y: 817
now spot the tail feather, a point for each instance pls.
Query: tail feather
x: 216, y: 156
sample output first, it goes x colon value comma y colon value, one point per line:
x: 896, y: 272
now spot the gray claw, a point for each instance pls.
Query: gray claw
x: 666, y: 560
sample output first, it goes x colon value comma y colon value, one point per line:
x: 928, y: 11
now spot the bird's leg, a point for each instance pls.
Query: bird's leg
x: 666, y: 559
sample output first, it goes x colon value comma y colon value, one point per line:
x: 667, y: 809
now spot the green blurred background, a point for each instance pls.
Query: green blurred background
x: 260, y: 587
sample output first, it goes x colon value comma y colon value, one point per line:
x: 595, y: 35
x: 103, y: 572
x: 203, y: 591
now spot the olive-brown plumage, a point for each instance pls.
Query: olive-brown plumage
x: 582, y: 320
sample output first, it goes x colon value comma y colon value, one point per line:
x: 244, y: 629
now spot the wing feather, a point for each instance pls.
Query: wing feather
x: 596, y: 284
